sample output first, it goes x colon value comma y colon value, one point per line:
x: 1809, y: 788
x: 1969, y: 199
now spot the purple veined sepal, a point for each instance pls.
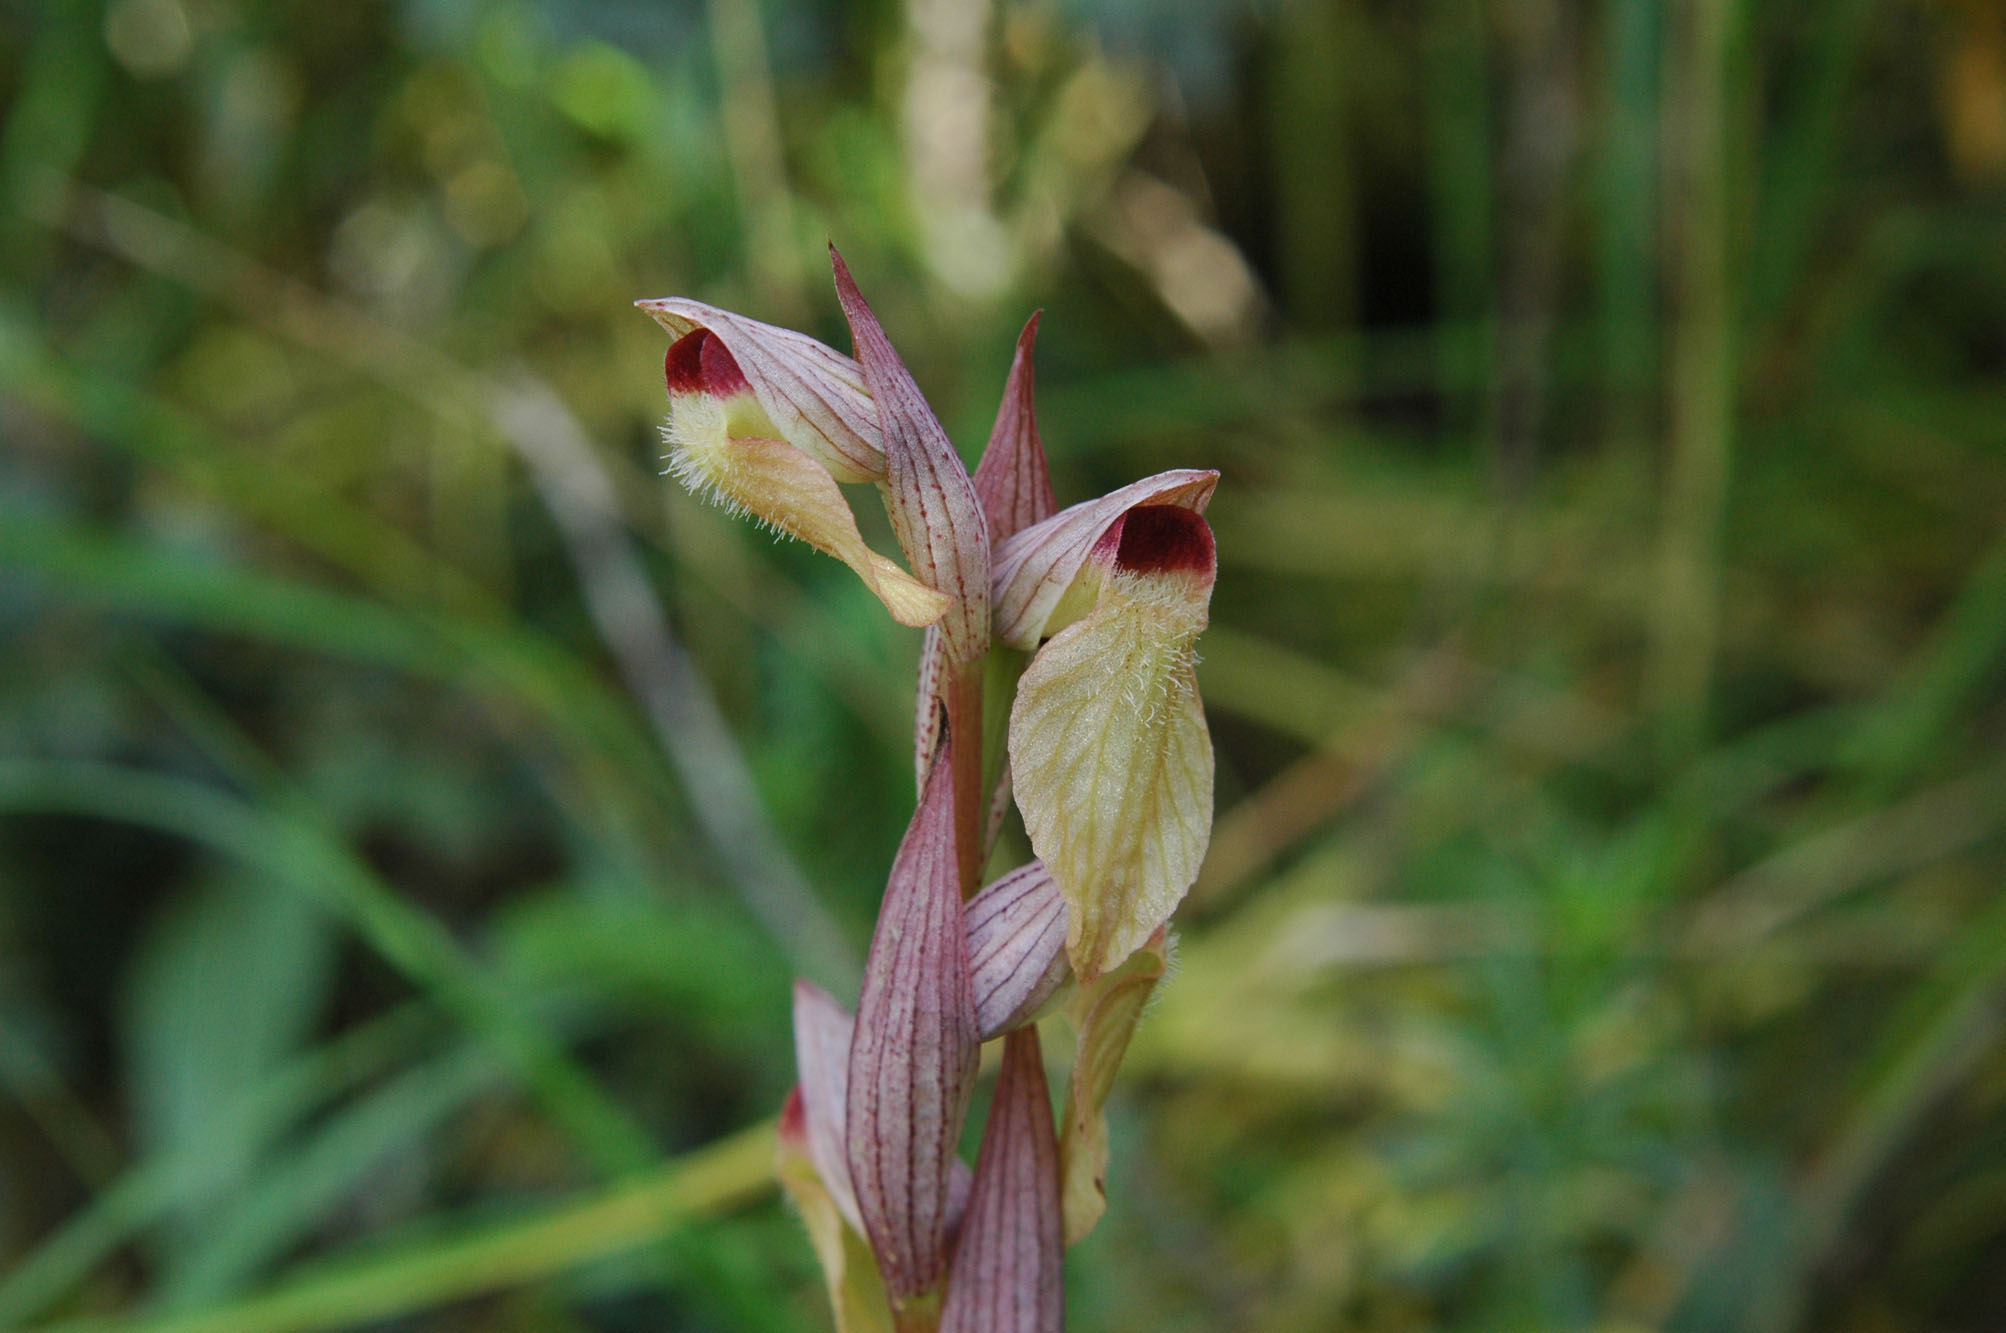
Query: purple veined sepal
x: 929, y: 495
x: 1013, y: 483
x: 1016, y: 948
x: 812, y: 1163
x: 913, y: 1057
x: 1007, y: 1275
x: 764, y: 421
x: 1110, y: 758
x: 1104, y: 1015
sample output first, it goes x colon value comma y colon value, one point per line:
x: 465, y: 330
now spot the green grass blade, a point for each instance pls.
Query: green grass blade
x: 150, y: 1190
x: 295, y: 853
x: 410, y: 1278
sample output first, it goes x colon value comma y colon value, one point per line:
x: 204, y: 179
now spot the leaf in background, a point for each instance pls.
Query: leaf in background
x: 228, y: 986
x: 297, y: 1192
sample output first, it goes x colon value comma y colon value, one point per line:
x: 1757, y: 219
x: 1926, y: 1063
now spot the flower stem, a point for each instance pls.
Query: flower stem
x: 964, y: 726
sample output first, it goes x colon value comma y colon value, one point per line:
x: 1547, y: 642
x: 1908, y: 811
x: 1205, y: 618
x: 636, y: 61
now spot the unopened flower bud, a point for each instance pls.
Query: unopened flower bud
x: 823, y: 1030
x: 850, y: 1274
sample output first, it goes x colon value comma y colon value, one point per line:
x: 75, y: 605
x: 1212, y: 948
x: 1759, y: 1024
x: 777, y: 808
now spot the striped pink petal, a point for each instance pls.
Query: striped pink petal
x: 1008, y: 1265
x: 1016, y: 948
x: 913, y: 1057
x: 928, y: 493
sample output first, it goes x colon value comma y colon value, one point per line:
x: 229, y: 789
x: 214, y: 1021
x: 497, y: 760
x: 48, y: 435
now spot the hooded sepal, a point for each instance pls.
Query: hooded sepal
x: 1110, y: 758
x: 914, y: 1055
x: 1104, y: 1014
x: 1036, y: 568
x: 1016, y: 948
x: 849, y: 1273
x: 928, y: 493
x: 812, y: 393
x: 1008, y: 1265
x: 724, y: 447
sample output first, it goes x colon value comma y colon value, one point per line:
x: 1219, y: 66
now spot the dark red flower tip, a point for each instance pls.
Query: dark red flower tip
x: 1160, y: 539
x: 794, y: 1121
x: 699, y: 362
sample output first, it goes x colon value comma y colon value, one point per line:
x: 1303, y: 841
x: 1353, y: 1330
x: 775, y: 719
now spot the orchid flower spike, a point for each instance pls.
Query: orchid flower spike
x: 1109, y: 754
x: 766, y: 421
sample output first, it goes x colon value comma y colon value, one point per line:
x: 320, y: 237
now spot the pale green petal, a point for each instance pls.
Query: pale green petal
x: 1112, y: 765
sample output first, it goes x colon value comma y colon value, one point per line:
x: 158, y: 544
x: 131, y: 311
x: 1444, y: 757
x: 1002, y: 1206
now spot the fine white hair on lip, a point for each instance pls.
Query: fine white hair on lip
x: 700, y: 451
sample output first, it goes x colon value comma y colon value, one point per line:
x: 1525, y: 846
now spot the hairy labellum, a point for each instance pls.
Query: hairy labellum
x: 1109, y: 753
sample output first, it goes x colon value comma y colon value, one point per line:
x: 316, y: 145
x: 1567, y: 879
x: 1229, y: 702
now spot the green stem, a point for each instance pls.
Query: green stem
x: 1702, y: 390
x: 388, y: 1285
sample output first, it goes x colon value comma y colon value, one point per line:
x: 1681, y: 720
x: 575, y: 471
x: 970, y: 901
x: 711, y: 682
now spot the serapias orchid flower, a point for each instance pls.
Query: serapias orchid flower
x: 1111, y: 766
x: 1109, y: 753
x: 766, y: 421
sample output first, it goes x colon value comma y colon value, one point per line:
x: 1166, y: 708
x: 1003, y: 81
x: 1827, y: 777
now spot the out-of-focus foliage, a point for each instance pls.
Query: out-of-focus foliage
x: 412, y: 810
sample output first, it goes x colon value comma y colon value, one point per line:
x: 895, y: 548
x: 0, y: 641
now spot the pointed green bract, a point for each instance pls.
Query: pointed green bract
x: 1104, y: 1015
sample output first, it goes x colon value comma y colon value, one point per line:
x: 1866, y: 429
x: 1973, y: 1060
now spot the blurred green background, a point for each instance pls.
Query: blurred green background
x: 412, y: 809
